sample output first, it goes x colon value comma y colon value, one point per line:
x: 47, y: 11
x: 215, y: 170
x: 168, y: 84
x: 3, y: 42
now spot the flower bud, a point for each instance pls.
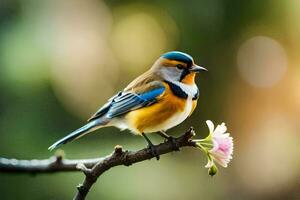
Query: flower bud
x: 212, y: 170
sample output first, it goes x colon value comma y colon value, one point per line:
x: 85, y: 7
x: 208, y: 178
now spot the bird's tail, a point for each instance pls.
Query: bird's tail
x: 91, y: 126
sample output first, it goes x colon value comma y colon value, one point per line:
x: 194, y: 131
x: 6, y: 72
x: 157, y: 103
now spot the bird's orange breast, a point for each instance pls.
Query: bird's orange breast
x: 189, y: 79
x: 150, y: 118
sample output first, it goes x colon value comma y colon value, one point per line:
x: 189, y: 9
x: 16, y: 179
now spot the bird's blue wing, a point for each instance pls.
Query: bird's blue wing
x: 131, y: 101
x: 105, y: 108
x: 124, y: 102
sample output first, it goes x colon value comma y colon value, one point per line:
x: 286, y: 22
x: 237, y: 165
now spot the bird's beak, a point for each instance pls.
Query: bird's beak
x: 197, y: 68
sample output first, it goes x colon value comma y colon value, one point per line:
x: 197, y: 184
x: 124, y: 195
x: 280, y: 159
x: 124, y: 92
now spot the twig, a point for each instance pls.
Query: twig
x: 51, y: 165
x: 93, y: 168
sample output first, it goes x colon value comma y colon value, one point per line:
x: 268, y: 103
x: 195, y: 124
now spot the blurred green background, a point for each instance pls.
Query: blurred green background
x: 62, y: 59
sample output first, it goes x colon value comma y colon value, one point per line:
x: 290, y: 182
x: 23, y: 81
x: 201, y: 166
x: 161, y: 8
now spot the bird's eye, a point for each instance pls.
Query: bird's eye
x: 179, y: 66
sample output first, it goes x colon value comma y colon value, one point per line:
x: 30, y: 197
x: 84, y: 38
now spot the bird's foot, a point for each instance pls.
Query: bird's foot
x: 170, y: 139
x: 152, y: 148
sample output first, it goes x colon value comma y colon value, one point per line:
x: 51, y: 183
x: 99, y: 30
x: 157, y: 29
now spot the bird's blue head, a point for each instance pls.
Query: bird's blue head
x: 179, y: 56
x: 178, y: 66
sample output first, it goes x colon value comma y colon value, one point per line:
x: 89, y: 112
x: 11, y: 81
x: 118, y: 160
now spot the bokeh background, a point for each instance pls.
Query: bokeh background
x: 61, y: 59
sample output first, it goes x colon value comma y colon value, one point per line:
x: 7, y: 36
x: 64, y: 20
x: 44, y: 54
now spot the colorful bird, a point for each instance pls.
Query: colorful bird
x: 161, y: 98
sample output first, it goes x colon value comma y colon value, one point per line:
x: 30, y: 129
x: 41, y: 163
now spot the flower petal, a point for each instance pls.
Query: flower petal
x: 210, y: 125
x: 220, y: 129
x: 209, y: 164
x: 222, y: 145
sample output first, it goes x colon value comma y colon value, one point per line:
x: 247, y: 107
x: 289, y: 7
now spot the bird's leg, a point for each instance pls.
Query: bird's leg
x: 164, y: 135
x: 151, y: 146
x: 169, y: 138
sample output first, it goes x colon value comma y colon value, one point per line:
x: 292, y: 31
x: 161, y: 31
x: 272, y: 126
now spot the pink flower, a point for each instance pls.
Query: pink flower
x: 222, y: 145
x: 217, y: 146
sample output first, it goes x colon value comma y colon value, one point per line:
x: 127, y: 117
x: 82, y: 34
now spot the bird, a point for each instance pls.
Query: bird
x: 159, y: 99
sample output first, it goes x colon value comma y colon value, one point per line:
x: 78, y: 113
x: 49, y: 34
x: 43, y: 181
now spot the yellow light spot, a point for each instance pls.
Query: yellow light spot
x: 138, y: 36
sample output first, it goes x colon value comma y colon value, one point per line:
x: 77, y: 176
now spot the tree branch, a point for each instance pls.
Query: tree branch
x: 93, y: 168
x: 51, y: 165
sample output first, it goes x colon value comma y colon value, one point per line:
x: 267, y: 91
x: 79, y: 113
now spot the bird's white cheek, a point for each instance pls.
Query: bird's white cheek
x: 170, y: 74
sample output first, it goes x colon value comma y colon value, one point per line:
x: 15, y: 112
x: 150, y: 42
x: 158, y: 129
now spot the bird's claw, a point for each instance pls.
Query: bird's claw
x: 153, y: 151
